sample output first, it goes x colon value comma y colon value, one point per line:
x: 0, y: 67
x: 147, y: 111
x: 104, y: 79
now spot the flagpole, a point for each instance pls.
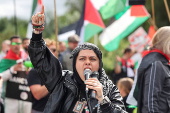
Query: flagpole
x: 153, y: 13
x: 167, y: 9
x: 150, y: 21
x: 56, y: 29
x: 15, y: 18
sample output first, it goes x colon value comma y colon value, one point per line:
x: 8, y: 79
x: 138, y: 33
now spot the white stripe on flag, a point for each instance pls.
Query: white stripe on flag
x: 64, y: 36
x: 99, y: 3
x: 82, y: 34
x: 38, y: 8
x: 116, y: 28
x: 29, y: 30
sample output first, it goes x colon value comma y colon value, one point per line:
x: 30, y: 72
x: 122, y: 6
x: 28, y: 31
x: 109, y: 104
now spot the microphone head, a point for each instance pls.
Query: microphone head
x: 95, y: 74
x: 87, y: 71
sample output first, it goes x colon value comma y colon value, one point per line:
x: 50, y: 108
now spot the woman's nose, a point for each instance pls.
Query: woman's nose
x: 87, y: 62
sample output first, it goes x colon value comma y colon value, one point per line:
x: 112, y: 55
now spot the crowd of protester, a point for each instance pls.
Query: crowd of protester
x: 13, y: 55
x: 25, y: 88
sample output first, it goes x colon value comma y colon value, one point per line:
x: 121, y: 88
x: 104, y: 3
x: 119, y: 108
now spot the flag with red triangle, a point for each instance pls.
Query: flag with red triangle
x: 126, y: 22
x: 89, y: 24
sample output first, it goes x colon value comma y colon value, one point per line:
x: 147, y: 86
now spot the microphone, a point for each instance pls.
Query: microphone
x: 95, y: 74
x: 87, y: 73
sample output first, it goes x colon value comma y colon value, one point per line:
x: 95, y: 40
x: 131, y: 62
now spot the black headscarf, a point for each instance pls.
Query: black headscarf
x: 75, y: 52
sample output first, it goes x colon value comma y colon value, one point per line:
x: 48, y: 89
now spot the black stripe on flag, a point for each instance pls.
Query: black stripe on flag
x: 136, y: 2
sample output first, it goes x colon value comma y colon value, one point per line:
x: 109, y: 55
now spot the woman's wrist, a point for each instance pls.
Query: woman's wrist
x: 100, y: 98
x: 36, y: 32
x: 104, y: 101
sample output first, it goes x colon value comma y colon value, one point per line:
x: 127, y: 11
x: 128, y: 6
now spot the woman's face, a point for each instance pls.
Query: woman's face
x: 122, y: 92
x: 86, y: 59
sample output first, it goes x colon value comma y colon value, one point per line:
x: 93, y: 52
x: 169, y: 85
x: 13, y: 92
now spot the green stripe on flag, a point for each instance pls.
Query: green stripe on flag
x: 122, y: 13
x: 35, y: 2
x: 114, y: 44
x: 6, y: 63
x: 112, y: 8
x: 91, y: 30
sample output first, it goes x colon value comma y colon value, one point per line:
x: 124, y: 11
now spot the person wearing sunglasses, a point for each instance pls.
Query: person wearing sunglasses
x: 52, y: 45
x: 16, y: 98
x: 39, y: 92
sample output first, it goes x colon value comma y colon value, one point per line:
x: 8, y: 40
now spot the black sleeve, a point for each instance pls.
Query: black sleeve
x: 44, y: 62
x: 36, y: 37
x: 33, y: 78
x: 154, y: 81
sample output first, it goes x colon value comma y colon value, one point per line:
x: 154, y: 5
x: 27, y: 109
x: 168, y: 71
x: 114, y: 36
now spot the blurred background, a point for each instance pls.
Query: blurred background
x: 15, y: 16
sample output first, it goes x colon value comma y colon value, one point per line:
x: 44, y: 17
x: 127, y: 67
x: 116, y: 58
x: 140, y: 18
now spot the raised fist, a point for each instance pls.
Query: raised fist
x: 38, y: 21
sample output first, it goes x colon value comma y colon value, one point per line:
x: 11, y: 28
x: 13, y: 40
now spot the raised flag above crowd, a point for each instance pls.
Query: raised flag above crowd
x: 109, y: 8
x: 89, y: 24
x: 126, y: 22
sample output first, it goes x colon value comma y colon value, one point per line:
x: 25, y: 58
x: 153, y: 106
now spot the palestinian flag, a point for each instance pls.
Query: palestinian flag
x: 126, y: 22
x: 89, y: 24
x: 109, y: 8
x: 10, y: 60
x: 37, y: 4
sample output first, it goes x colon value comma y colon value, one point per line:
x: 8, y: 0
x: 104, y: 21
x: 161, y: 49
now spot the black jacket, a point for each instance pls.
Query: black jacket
x: 154, y: 84
x: 62, y: 87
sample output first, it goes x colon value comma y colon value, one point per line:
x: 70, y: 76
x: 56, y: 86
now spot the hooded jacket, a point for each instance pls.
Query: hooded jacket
x: 63, y: 86
x: 154, y: 83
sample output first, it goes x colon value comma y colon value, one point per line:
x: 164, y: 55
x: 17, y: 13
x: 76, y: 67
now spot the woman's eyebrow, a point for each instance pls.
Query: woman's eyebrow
x: 82, y: 56
x: 85, y: 56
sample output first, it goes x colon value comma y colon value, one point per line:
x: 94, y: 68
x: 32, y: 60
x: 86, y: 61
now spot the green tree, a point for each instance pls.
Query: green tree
x: 7, y: 27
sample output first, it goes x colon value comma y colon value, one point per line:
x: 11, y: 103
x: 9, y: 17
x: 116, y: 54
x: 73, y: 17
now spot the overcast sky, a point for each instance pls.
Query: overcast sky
x: 24, y: 7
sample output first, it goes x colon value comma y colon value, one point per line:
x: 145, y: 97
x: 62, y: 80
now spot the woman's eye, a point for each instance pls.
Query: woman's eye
x: 81, y: 58
x: 93, y: 59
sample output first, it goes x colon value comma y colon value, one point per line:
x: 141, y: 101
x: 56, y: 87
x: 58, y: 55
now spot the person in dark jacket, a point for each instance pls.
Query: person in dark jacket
x: 153, y: 82
x: 72, y: 44
x: 67, y: 88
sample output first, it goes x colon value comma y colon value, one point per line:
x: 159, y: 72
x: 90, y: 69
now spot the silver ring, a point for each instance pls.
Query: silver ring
x: 95, y: 84
x: 39, y: 15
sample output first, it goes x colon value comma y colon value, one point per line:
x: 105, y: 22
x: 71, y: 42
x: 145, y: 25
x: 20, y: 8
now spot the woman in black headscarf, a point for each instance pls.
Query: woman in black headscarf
x: 67, y: 88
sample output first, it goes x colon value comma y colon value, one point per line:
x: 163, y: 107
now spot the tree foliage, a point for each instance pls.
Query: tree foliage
x: 7, y: 27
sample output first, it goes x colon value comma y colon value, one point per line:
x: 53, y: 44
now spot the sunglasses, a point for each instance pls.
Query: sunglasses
x: 15, y: 43
x: 53, y: 50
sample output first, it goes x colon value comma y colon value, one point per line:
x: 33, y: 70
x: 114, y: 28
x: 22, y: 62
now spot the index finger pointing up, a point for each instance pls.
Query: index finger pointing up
x: 42, y: 9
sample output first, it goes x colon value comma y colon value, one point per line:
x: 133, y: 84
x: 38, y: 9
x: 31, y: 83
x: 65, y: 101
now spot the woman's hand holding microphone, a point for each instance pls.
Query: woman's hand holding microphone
x: 93, y: 83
